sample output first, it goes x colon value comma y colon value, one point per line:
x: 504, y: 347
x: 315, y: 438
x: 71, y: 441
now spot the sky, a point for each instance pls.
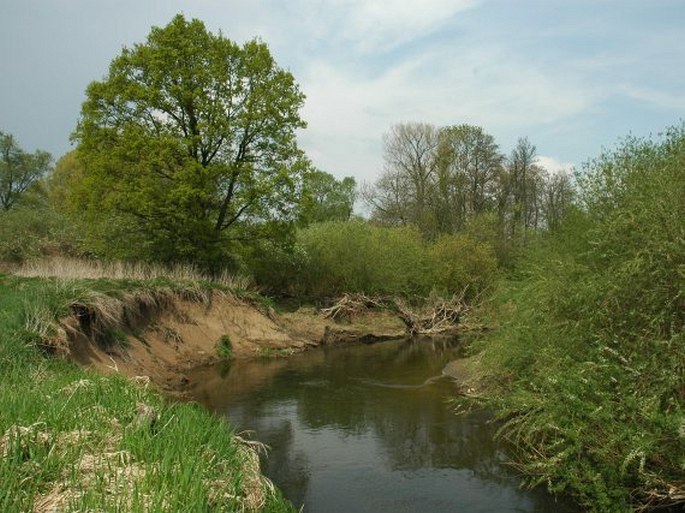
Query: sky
x: 574, y: 76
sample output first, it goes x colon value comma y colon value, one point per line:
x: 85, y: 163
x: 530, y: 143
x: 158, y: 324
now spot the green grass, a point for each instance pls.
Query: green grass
x: 86, y: 442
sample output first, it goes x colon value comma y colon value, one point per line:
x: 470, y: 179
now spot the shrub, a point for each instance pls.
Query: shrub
x: 589, y: 360
x: 460, y: 262
x: 27, y: 233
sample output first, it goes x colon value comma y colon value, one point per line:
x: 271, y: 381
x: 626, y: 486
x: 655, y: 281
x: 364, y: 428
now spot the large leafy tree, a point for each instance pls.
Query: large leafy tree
x: 324, y: 198
x: 190, y: 141
x: 19, y: 170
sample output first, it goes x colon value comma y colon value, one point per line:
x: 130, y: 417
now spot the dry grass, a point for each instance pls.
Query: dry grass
x: 101, y: 467
x: 74, y: 269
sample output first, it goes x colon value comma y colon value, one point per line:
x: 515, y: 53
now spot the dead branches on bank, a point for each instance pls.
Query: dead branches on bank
x: 352, y: 305
x: 442, y: 316
x: 437, y: 316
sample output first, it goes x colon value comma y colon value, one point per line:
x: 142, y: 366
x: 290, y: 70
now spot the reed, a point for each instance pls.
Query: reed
x: 80, y: 269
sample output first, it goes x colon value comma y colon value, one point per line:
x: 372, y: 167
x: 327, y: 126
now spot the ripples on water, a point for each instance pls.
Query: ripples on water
x: 369, y: 429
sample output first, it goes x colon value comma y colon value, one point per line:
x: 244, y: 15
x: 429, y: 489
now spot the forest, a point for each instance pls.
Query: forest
x: 186, y: 154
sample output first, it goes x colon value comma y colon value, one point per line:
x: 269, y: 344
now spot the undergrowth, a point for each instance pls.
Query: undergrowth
x: 587, y: 364
x: 72, y: 440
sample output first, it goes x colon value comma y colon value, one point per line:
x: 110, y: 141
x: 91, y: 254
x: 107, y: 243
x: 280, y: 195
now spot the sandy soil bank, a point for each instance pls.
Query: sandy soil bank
x: 165, y: 343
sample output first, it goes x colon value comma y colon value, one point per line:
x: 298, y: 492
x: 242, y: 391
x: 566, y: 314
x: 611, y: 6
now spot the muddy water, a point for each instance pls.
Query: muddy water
x: 369, y: 429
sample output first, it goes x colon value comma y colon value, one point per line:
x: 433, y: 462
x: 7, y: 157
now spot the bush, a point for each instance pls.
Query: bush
x: 461, y: 263
x: 589, y: 360
x: 335, y: 257
x: 27, y: 233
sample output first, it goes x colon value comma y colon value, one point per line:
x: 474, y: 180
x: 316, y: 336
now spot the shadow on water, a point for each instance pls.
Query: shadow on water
x: 369, y: 429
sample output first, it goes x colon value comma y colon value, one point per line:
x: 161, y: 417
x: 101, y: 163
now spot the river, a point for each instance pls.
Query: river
x: 369, y: 428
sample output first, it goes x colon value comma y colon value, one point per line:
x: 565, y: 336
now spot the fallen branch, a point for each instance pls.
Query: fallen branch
x: 442, y: 316
x: 351, y: 305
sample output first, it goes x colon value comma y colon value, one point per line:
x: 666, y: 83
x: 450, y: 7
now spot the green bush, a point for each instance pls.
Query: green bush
x: 358, y: 257
x: 588, y: 365
x: 462, y: 263
x: 335, y: 257
x: 32, y: 232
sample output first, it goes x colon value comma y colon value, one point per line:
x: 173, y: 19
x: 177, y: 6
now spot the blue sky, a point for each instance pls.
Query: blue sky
x: 573, y: 76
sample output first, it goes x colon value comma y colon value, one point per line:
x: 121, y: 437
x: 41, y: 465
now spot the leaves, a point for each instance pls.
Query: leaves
x: 19, y: 170
x: 589, y: 360
x: 192, y: 136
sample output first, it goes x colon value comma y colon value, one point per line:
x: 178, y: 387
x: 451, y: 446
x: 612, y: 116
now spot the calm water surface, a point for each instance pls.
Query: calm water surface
x: 369, y: 429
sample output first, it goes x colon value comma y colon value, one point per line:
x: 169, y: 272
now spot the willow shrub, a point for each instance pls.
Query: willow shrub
x: 358, y: 257
x: 589, y: 360
x: 31, y: 232
x: 332, y: 258
x: 460, y: 263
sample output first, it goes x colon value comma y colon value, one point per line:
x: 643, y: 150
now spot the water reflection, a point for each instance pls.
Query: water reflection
x: 367, y: 428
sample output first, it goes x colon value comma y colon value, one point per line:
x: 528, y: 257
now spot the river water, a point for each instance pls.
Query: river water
x: 369, y: 428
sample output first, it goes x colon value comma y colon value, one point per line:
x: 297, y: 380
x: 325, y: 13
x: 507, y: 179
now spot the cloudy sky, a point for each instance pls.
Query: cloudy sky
x: 573, y: 76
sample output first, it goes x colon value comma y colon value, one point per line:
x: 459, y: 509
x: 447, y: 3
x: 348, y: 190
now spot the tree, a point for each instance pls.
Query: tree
x: 19, y: 170
x: 326, y: 199
x: 192, y: 138
x: 404, y: 190
x: 521, y: 186
x: 470, y: 161
x: 557, y: 197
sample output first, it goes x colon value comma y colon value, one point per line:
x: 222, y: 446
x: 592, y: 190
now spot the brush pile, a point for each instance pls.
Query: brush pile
x: 437, y: 316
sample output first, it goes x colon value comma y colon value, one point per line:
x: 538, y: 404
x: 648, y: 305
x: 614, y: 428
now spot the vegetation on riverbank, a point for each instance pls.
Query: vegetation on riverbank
x: 74, y: 440
x: 187, y: 154
x: 586, y: 368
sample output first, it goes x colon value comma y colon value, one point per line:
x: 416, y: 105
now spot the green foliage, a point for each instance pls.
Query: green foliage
x: 588, y: 365
x: 331, y: 258
x: 462, y: 263
x: 188, y: 143
x: 31, y: 232
x: 326, y: 199
x: 19, y: 170
x: 81, y: 436
x: 224, y: 347
x: 358, y: 257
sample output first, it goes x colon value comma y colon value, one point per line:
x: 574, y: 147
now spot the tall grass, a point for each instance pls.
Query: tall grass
x: 79, y: 269
x: 71, y: 440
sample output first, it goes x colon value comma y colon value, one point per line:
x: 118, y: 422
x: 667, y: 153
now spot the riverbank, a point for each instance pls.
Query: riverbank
x: 164, y: 333
x: 83, y: 425
x: 76, y: 439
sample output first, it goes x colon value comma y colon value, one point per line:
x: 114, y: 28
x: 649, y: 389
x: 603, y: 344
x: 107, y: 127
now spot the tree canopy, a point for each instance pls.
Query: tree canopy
x: 442, y: 178
x: 324, y: 198
x: 19, y: 170
x: 190, y: 140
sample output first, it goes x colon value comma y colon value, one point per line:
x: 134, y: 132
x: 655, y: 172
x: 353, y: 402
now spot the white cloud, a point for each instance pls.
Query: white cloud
x: 554, y: 165
x: 348, y: 111
x: 378, y: 25
x: 662, y: 99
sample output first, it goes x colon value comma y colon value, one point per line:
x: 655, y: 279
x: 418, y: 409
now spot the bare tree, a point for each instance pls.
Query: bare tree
x: 521, y: 168
x: 557, y: 196
x: 402, y: 194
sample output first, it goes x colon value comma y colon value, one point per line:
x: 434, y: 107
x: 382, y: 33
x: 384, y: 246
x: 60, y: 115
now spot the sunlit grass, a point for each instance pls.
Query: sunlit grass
x: 80, y: 269
x: 72, y: 440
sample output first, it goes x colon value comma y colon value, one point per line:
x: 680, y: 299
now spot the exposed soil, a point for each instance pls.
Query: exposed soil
x: 165, y: 343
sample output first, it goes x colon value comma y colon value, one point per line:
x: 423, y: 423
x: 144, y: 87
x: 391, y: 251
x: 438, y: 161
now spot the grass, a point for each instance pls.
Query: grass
x: 82, y: 269
x: 72, y: 440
